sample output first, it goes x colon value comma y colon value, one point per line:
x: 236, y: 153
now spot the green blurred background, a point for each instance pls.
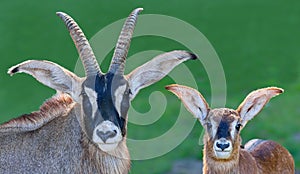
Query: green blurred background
x: 257, y: 42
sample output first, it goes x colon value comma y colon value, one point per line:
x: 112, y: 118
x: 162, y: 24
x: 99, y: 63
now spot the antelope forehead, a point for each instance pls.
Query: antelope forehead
x: 224, y: 127
x: 118, y: 97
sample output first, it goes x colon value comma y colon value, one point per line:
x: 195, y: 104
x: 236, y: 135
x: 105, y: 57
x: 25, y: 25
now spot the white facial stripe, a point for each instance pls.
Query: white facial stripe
x: 214, y: 128
x: 92, y: 95
x: 119, y: 97
x: 233, y: 130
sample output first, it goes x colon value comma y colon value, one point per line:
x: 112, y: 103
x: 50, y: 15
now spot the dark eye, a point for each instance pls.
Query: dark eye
x: 238, y: 126
x: 127, y: 92
x: 82, y: 93
x: 208, y: 125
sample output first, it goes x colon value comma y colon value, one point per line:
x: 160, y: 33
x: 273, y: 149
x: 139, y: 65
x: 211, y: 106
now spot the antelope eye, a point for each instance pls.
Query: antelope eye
x: 82, y: 93
x: 238, y: 126
x: 208, y: 125
x: 127, y: 92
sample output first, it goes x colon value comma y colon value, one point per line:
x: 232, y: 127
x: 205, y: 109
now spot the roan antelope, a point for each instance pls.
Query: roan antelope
x: 82, y: 129
x: 222, y: 152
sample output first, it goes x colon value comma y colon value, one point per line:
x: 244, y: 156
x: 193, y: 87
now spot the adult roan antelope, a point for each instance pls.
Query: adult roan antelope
x: 223, y: 153
x: 82, y: 129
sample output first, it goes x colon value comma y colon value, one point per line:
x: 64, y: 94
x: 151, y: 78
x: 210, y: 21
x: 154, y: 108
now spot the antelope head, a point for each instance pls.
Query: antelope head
x: 223, y: 125
x: 104, y: 97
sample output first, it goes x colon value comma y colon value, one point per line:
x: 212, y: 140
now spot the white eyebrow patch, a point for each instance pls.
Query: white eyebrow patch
x: 233, y: 130
x: 214, y: 128
x: 92, y: 95
x: 119, y: 97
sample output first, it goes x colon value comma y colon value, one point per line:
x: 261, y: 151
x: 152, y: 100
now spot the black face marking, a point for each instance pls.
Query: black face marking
x: 223, y: 129
x: 105, y: 86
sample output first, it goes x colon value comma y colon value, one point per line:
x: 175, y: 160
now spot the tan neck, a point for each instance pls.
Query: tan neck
x: 213, y: 165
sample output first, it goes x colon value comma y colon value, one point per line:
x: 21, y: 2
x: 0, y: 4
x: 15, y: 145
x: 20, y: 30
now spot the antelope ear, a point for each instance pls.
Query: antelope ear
x: 193, y: 101
x: 155, y: 69
x: 255, y: 101
x: 50, y: 74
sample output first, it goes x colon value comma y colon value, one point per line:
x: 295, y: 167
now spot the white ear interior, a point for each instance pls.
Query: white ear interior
x: 192, y: 100
x: 155, y: 70
x: 51, y: 75
x: 255, y: 102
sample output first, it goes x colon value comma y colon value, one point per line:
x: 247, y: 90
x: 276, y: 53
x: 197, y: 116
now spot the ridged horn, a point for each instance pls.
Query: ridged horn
x: 83, y: 47
x: 117, y: 64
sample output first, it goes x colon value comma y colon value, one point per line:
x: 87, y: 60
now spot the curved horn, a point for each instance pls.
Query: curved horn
x: 117, y: 64
x: 83, y: 47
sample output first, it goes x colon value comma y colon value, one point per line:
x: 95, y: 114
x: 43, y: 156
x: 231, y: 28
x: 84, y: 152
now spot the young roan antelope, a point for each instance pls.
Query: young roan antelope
x: 82, y: 129
x: 223, y: 153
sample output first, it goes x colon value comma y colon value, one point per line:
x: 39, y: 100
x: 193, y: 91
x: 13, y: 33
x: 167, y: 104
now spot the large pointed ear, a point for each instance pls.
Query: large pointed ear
x: 255, y: 101
x: 192, y: 100
x: 155, y: 69
x: 51, y: 75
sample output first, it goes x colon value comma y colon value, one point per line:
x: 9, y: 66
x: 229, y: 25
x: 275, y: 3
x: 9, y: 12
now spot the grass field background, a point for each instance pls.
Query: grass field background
x: 257, y: 42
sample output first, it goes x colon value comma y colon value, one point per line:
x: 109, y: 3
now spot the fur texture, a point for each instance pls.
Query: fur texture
x: 222, y: 152
x: 51, y: 141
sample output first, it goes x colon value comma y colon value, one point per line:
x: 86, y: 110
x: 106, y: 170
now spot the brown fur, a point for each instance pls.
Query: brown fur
x: 271, y: 157
x: 263, y: 157
x: 222, y: 152
x: 212, y: 165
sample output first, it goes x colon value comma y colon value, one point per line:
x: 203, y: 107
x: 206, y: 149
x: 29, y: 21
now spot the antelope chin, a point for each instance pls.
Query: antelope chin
x: 222, y: 154
x: 107, y: 147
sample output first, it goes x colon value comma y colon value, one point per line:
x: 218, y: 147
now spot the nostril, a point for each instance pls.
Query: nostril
x: 106, y: 135
x: 115, y: 131
x: 222, y: 145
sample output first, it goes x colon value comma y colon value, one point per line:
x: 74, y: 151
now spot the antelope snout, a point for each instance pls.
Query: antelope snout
x: 222, y: 148
x: 107, y: 134
x: 222, y: 145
